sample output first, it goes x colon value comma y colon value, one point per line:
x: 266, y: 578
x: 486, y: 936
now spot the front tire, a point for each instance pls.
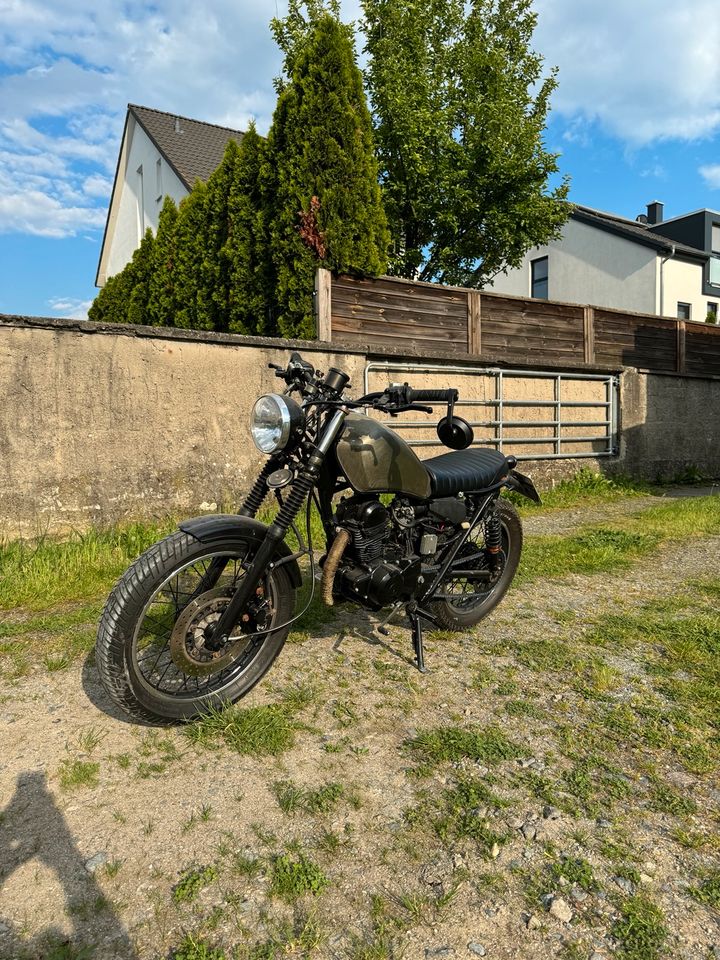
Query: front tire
x: 470, y: 609
x: 149, y: 649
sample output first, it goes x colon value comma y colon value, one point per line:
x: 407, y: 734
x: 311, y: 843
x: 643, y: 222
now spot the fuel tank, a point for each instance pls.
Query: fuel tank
x: 376, y: 460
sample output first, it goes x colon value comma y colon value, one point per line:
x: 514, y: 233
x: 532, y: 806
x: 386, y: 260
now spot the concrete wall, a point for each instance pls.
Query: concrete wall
x: 101, y: 424
x: 591, y: 266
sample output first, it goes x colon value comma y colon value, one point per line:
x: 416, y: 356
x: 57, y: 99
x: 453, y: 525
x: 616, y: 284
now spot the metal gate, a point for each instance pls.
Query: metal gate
x: 532, y: 414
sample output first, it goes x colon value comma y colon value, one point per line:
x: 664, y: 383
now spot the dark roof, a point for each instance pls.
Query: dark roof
x: 633, y: 230
x: 192, y: 148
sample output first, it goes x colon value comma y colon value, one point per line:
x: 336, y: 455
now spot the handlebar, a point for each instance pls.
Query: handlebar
x: 432, y: 396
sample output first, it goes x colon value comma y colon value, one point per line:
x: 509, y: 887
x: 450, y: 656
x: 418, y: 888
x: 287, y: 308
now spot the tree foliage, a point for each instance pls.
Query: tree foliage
x: 460, y: 106
x: 162, y: 302
x: 324, y: 203
x: 125, y: 296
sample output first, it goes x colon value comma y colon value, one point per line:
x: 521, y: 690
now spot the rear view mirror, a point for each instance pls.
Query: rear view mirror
x: 454, y: 432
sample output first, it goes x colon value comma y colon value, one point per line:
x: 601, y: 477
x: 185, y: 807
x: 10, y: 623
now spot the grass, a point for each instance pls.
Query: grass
x: 292, y: 878
x: 78, y: 773
x: 197, y: 949
x: 583, y: 488
x: 709, y: 890
x: 640, y: 929
x: 294, y: 799
x: 192, y: 882
x: 43, y: 573
x: 256, y: 731
x: 595, y: 550
x: 449, y: 744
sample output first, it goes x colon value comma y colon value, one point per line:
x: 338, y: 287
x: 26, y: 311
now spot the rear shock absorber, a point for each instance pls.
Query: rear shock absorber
x: 493, y: 540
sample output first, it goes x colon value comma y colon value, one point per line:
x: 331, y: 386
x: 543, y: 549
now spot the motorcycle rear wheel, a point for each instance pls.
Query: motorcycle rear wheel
x: 150, y: 646
x: 472, y: 605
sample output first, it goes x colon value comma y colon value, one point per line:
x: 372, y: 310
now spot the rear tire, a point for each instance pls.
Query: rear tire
x: 452, y: 616
x: 153, y: 582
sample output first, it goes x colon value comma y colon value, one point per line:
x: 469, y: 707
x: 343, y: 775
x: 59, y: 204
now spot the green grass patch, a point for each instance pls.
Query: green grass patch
x: 594, y: 550
x: 294, y: 799
x: 640, y: 929
x: 192, y: 882
x: 450, y: 744
x: 293, y: 877
x: 583, y: 488
x: 256, y: 731
x: 41, y: 573
x: 79, y: 773
x: 193, y: 948
x: 708, y: 892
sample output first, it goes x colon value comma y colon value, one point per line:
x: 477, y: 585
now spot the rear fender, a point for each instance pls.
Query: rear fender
x: 222, y: 526
x: 523, y: 485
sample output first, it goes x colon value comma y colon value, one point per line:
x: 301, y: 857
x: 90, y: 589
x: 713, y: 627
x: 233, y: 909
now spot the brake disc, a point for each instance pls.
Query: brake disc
x: 192, y: 629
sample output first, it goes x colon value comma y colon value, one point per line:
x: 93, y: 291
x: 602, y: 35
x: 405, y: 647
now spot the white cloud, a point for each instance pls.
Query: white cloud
x: 98, y: 186
x: 70, y: 308
x: 646, y: 71
x: 711, y: 175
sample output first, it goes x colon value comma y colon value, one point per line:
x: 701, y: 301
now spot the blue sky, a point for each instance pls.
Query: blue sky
x: 636, y: 116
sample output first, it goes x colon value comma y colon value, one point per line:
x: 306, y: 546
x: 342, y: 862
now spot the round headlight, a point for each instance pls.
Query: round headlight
x: 274, y: 421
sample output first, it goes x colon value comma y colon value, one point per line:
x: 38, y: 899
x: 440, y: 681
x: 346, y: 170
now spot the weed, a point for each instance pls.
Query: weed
x: 245, y: 866
x: 192, y: 949
x: 297, y: 939
x: 192, y: 882
x: 90, y: 739
x: 292, y: 878
x: 447, y: 744
x: 709, y: 890
x: 667, y: 800
x: 640, y: 929
x: 257, y: 731
x: 112, y: 867
x: 57, y: 949
x: 292, y: 799
x: 78, y: 773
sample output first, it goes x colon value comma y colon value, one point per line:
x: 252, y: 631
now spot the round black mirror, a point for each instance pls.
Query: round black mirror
x: 454, y: 432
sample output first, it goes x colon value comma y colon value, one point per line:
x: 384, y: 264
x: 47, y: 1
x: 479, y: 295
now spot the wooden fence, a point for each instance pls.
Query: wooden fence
x: 427, y: 319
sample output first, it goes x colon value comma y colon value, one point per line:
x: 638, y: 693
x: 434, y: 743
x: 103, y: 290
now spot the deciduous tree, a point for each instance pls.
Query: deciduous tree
x: 460, y: 105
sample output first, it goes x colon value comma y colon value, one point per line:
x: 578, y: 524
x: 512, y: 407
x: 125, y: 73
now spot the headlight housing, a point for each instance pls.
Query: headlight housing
x: 274, y: 422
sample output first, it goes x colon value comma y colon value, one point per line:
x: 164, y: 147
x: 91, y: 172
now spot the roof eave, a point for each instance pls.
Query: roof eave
x: 111, y: 205
x: 654, y: 241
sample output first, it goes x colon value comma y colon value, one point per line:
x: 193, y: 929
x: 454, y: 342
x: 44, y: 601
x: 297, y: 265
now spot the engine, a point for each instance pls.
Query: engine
x: 375, y: 570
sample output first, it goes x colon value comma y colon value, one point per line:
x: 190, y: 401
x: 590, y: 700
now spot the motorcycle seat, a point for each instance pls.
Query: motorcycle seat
x: 465, y: 470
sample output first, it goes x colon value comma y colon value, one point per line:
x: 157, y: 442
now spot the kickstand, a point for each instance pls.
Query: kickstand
x: 416, y: 616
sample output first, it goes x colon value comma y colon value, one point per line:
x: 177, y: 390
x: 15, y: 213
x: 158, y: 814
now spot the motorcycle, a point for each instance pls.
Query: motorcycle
x: 198, y: 619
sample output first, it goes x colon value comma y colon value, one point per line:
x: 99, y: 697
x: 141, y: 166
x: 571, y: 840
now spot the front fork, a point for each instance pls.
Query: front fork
x: 276, y: 532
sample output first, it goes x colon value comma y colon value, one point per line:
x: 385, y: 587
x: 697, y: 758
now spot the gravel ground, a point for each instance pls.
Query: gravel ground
x: 100, y: 867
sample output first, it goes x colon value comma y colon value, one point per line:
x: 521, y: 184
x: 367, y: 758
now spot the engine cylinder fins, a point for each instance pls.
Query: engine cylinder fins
x: 330, y: 567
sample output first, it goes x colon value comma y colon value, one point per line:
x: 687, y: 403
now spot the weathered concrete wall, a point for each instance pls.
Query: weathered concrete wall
x: 100, y: 424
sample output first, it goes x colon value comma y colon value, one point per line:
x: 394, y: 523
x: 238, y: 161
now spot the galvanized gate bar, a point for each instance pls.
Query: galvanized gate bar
x: 561, y: 419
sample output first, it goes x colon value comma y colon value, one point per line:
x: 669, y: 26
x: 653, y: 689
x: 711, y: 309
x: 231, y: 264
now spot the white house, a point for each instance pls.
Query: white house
x: 161, y: 154
x: 669, y: 268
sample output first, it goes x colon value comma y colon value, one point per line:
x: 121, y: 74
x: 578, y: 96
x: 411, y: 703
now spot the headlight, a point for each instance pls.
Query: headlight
x: 274, y: 422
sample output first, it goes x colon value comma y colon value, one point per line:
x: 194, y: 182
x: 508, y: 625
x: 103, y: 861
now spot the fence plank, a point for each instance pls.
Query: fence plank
x: 589, y: 334
x: 323, y: 304
x: 474, y: 319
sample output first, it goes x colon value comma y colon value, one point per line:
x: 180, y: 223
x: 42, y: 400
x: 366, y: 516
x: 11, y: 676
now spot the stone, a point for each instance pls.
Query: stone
x: 561, y: 910
x: 596, y: 956
x: 477, y: 948
x: 551, y: 813
x: 445, y: 951
x: 96, y: 861
x: 627, y: 886
x: 645, y: 879
x: 579, y: 895
x: 495, y: 851
x: 533, y: 923
x: 603, y: 822
x: 528, y: 831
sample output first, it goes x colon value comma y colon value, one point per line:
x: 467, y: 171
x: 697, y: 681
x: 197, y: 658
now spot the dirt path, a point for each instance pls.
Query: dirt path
x: 130, y: 842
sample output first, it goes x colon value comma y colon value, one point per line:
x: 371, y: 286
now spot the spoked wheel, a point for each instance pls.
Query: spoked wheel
x: 465, y: 602
x: 154, y: 649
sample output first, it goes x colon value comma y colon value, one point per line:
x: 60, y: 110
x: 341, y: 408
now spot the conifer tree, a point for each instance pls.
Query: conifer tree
x: 192, y: 309
x: 162, y: 301
x: 246, y: 254
x: 215, y: 275
x: 324, y: 201
x: 124, y: 297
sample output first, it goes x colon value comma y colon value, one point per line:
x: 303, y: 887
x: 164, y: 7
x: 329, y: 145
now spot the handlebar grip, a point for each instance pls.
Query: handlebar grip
x: 433, y: 396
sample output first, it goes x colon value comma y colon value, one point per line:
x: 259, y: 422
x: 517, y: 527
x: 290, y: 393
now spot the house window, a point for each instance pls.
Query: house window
x: 141, y: 203
x: 539, y: 278
x: 158, y: 181
x: 712, y: 312
x: 683, y: 311
x: 716, y: 238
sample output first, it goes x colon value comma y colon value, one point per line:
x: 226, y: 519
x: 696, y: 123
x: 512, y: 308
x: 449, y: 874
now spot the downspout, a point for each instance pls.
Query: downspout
x: 663, y: 261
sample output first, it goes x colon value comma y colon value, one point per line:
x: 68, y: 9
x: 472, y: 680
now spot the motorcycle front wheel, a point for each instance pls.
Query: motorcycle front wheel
x: 150, y: 650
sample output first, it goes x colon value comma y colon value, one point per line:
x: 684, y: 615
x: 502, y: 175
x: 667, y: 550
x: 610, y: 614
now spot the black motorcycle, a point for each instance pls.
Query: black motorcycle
x: 198, y: 619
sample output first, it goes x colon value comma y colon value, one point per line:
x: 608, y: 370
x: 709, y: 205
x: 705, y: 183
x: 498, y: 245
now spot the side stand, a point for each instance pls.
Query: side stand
x: 416, y: 616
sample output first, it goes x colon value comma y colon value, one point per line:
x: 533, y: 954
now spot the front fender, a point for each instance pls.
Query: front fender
x: 220, y: 526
